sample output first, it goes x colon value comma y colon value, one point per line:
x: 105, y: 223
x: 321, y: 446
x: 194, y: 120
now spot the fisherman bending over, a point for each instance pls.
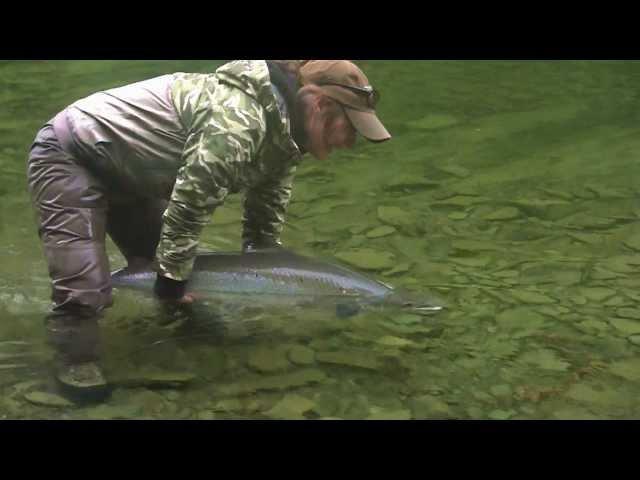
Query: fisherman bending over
x: 148, y: 163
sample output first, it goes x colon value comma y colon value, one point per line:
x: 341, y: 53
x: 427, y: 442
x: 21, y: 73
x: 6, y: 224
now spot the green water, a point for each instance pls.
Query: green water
x: 510, y: 191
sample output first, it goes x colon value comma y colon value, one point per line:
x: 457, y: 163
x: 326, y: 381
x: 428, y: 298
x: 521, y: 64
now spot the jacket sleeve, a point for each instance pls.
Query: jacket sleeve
x: 214, y: 160
x: 264, y: 210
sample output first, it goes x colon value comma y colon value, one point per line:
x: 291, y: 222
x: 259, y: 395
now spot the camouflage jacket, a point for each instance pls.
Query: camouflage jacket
x: 194, y: 138
x: 239, y: 138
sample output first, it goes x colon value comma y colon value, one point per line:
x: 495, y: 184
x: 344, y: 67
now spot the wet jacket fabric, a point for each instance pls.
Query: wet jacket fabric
x: 193, y: 138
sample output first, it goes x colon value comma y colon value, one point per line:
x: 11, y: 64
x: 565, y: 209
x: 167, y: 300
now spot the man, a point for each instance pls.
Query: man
x: 179, y: 144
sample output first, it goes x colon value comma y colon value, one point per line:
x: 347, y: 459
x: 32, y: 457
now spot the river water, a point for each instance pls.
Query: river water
x: 509, y: 192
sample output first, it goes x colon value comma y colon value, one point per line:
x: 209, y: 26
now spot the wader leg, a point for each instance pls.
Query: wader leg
x: 71, y: 211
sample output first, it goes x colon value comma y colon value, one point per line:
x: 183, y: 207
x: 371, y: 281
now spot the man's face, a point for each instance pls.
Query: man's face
x: 328, y: 128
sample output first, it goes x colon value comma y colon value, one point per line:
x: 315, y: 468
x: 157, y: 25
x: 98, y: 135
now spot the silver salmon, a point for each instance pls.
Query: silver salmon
x: 280, y: 275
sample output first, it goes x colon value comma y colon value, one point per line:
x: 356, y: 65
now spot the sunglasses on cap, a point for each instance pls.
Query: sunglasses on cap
x: 371, y: 94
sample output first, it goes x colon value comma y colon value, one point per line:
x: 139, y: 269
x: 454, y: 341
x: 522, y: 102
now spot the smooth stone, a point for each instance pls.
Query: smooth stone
x: 300, y: 355
x: 531, y: 297
x: 255, y: 383
x: 506, y: 213
x: 358, y: 229
x: 590, y: 222
x: 455, y: 170
x: 407, y: 319
x: 458, y: 215
x: 398, y: 270
x: 429, y: 407
x: 588, y: 238
x: 633, y: 242
x: 382, y: 414
x: 154, y: 379
x: 227, y: 405
x: 545, y: 209
x: 380, y: 232
x: 206, y: 415
x: 520, y: 317
x: 367, y: 259
x: 47, y: 399
x: 613, y: 265
x: 150, y: 402
x: 268, y: 359
x: 358, y: 359
x: 616, y: 301
x: 633, y: 313
x: 473, y: 246
x: 578, y: 300
x: 592, y: 326
x: 108, y: 412
x: 395, y: 216
x: 597, y: 294
x: 459, y: 201
x: 291, y: 407
x: 501, y: 414
x: 501, y: 391
x: 545, y: 359
x: 507, y: 274
x: 474, y: 262
x: 629, y: 327
x: 574, y: 413
x: 391, y: 341
x: 410, y: 184
x: 628, y: 369
x: 635, y: 339
x: 586, y: 393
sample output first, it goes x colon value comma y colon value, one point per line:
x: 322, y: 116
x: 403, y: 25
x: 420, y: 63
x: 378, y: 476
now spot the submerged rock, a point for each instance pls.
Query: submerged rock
x: 109, y: 412
x: 633, y: 242
x: 635, y: 339
x: 268, y: 359
x: 380, y: 232
x: 410, y: 184
x: 396, y: 216
x: 628, y: 327
x: 350, y: 358
x: 384, y: 414
x: 454, y: 170
x: 367, y: 259
x: 398, y: 269
x: 458, y: 215
x: 47, y: 399
x: 633, y: 313
x: 597, y: 294
x: 545, y: 359
x: 254, y: 383
x: 300, y: 355
x: 530, y: 297
x: 429, y: 407
x: 506, y: 213
x: 391, y: 341
x: 628, y: 369
x: 155, y: 379
x: 291, y: 407
x: 499, y: 414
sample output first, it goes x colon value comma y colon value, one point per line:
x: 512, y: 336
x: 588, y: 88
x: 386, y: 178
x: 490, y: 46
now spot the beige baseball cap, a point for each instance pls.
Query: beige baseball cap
x: 345, y: 83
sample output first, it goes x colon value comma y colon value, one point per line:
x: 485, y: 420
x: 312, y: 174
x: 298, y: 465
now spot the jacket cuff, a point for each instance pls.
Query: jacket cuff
x: 167, y: 288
